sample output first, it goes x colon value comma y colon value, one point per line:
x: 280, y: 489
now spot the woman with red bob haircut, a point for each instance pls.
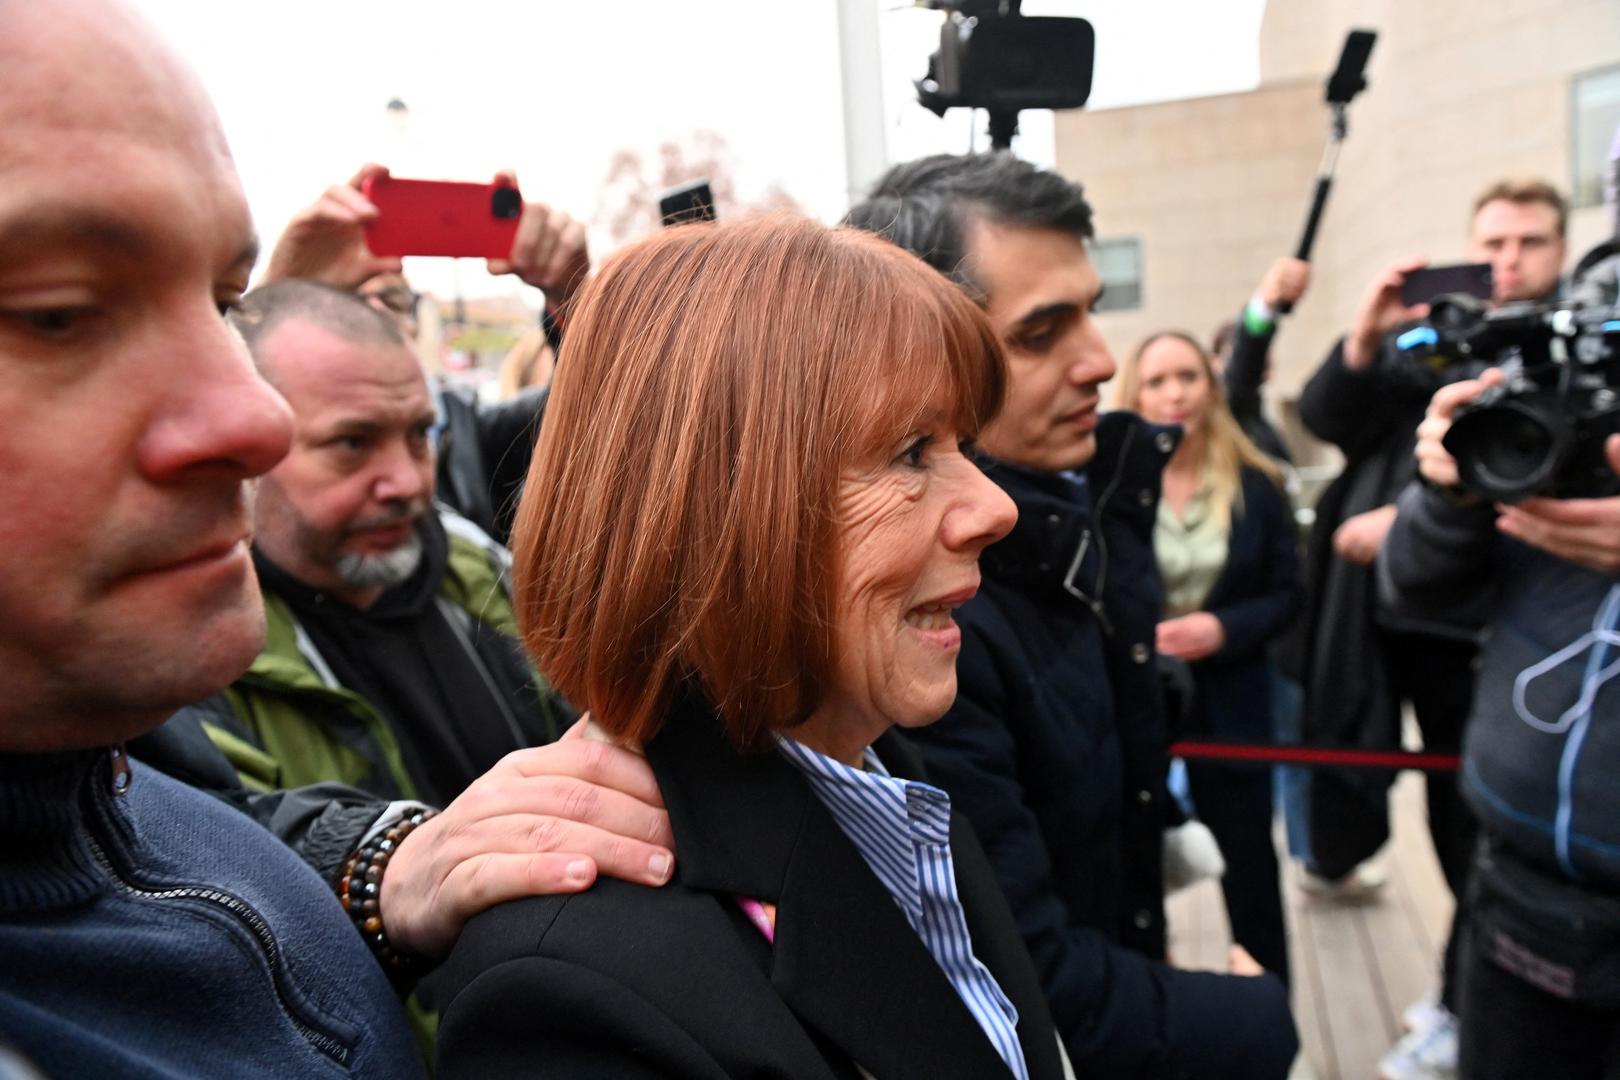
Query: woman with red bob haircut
x: 747, y: 521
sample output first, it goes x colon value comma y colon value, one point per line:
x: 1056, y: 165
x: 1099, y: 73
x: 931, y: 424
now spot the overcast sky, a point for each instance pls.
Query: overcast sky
x: 553, y: 89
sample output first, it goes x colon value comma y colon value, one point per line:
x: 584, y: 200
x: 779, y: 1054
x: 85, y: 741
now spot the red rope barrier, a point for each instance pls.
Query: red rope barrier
x: 1317, y: 756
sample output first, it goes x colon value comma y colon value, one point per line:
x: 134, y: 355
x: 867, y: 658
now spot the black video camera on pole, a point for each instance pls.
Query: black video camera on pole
x: 992, y: 57
x: 1542, y: 431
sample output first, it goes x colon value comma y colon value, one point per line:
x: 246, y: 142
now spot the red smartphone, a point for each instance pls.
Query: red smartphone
x: 442, y: 217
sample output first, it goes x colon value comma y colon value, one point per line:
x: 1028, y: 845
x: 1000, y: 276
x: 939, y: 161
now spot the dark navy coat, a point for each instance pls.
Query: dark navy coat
x: 1055, y: 751
x: 1259, y: 592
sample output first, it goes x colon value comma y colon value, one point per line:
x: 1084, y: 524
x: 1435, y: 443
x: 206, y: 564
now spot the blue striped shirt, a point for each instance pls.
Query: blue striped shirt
x: 902, y: 828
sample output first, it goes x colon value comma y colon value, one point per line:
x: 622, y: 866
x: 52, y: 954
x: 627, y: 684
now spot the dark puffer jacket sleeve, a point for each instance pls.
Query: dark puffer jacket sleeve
x: 1437, y: 553
x: 1119, y: 1013
x: 1344, y: 407
x: 1245, y: 375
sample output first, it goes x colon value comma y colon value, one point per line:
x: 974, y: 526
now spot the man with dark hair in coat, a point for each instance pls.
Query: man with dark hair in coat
x: 1056, y: 746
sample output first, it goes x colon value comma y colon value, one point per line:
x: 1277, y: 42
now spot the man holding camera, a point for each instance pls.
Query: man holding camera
x: 1365, y: 660
x: 1541, y: 971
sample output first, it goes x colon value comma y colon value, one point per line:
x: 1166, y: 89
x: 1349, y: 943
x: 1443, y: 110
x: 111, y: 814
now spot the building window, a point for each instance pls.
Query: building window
x: 1596, y: 97
x: 1119, y: 264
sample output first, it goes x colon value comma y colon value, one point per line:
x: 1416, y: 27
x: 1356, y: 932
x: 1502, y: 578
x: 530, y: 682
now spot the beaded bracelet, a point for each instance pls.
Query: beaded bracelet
x: 360, y: 885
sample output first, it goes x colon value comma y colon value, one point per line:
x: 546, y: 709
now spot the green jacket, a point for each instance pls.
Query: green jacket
x: 287, y: 722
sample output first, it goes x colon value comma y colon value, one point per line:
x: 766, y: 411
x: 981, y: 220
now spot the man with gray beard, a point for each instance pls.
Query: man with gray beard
x: 392, y: 661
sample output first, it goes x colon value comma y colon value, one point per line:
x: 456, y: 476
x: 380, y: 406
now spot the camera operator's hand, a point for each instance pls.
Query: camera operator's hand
x: 1381, y: 311
x: 1435, y: 462
x: 549, y: 251
x: 1582, y: 531
x: 544, y: 820
x: 1358, y: 538
x: 1285, y: 282
x: 1190, y: 637
x: 326, y: 241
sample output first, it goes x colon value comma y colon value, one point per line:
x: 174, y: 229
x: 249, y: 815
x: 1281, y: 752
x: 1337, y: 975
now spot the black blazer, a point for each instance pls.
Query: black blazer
x: 629, y: 981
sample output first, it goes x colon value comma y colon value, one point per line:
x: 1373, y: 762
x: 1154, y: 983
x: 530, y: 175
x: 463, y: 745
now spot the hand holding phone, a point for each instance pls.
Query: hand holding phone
x: 325, y: 241
x: 441, y: 217
x: 551, y: 251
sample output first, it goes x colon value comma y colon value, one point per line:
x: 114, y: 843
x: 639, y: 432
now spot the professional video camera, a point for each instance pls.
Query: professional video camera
x: 1542, y: 431
x: 1441, y: 349
x: 993, y: 57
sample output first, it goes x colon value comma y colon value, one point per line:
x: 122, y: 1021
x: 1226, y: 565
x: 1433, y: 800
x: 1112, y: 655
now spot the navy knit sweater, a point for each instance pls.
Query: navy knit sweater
x: 148, y: 930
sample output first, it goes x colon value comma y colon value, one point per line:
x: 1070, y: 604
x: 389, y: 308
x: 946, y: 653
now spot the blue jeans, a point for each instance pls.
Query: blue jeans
x: 1292, y: 782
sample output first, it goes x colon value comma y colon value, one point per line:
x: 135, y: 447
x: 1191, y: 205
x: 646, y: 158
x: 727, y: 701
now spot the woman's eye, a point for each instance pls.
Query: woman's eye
x: 913, y: 454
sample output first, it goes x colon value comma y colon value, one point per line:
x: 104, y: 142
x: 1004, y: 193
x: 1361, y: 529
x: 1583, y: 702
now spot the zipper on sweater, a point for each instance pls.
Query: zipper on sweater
x: 120, y: 771
x: 243, y: 913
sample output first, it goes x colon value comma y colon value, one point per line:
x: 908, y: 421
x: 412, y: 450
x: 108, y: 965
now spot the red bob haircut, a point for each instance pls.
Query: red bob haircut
x: 678, y: 530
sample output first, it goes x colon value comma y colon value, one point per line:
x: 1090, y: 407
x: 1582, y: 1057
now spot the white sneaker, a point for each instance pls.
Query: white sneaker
x: 1424, y: 1013
x: 1423, y: 1055
x: 1191, y: 855
x: 1360, y: 886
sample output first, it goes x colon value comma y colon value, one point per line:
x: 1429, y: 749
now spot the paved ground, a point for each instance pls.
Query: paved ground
x: 1355, y: 966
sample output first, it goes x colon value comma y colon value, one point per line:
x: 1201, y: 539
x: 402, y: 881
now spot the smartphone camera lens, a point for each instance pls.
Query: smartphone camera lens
x: 505, y: 203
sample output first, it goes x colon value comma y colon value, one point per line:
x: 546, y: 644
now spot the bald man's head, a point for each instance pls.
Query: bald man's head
x: 336, y: 311
x: 121, y: 72
x: 132, y: 414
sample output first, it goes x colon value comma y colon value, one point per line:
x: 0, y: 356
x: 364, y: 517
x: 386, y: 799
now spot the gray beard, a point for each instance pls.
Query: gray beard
x: 381, y: 571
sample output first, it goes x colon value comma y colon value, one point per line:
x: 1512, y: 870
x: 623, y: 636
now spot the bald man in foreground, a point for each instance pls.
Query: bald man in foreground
x: 146, y: 929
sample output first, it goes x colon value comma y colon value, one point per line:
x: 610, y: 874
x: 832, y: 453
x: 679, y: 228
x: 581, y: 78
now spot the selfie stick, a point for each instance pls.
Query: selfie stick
x: 1347, y: 80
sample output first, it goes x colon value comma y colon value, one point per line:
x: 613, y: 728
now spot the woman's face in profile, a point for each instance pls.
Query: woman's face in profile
x: 914, y: 524
x: 1173, y: 384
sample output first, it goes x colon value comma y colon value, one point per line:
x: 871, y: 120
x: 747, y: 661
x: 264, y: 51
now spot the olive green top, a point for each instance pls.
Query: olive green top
x: 1191, y: 550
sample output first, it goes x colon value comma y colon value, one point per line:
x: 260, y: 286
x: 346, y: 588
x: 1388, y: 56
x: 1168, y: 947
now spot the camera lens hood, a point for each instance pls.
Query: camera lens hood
x: 1510, y: 449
